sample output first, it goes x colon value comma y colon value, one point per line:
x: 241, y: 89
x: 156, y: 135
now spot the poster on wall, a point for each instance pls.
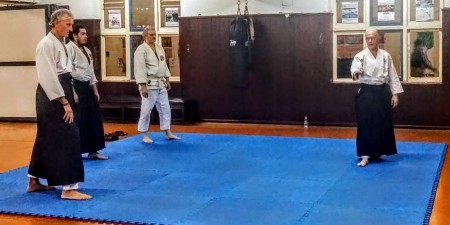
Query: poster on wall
x: 424, y: 59
x: 349, y: 12
x: 424, y: 10
x: 114, y: 18
x: 386, y: 10
x: 171, y: 16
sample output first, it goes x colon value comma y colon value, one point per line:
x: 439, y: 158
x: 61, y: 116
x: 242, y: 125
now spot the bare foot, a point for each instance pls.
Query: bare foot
x: 74, y: 195
x: 170, y: 136
x: 363, y: 162
x: 147, y: 139
x: 96, y: 155
x: 35, y: 186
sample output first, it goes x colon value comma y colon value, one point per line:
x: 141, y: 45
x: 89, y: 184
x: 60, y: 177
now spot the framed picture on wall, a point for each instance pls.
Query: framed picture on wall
x: 171, y: 16
x: 349, y: 11
x: 114, y: 18
x: 386, y: 12
x: 424, y: 11
x: 424, y: 56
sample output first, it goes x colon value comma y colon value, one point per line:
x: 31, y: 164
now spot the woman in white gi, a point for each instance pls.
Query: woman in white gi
x: 152, y: 76
x: 87, y: 112
x: 56, y: 152
x: 377, y: 96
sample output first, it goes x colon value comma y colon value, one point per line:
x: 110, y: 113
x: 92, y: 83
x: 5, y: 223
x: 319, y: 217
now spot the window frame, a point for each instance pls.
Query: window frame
x: 406, y: 27
x: 128, y: 32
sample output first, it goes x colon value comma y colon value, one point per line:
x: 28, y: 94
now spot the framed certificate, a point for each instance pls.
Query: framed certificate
x: 386, y: 12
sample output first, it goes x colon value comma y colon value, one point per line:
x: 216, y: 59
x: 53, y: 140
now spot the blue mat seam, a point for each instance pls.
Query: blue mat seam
x: 434, y: 189
x: 77, y: 218
x: 207, y: 203
x: 319, y: 201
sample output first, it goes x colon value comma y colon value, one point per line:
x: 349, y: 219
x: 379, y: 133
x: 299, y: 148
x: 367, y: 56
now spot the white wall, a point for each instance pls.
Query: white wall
x: 91, y: 9
x: 83, y: 9
x: 229, y: 7
x: 18, y: 83
x: 18, y: 91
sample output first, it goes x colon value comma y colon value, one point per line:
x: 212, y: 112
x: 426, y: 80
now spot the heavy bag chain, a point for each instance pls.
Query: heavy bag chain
x: 239, y: 8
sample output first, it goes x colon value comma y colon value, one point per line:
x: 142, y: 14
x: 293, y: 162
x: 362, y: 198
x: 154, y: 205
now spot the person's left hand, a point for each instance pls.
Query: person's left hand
x: 98, y: 96
x: 394, y: 101
x: 68, y: 113
x: 168, y: 87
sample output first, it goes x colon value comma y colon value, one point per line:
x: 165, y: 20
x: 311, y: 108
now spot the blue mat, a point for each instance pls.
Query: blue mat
x: 208, y: 179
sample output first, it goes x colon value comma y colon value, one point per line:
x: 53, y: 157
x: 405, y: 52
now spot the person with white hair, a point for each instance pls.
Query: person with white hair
x: 56, y: 153
x: 378, y: 95
x: 152, y: 76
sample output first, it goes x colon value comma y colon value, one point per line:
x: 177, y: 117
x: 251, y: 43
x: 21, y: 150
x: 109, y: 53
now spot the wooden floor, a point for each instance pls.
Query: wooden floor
x: 16, y: 141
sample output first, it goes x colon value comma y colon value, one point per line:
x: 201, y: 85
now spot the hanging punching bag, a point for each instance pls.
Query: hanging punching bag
x: 241, y: 43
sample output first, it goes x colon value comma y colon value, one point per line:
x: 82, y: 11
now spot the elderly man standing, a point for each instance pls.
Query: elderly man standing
x: 377, y: 96
x: 56, y: 152
x: 152, y: 76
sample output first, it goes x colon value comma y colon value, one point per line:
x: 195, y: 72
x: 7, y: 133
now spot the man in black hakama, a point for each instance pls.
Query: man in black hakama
x: 375, y: 100
x: 56, y: 152
x: 87, y: 111
x: 375, y: 134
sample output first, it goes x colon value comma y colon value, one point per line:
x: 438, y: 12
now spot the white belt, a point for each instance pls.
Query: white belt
x: 157, y: 82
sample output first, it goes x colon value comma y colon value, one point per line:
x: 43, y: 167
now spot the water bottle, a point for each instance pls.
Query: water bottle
x: 305, y: 122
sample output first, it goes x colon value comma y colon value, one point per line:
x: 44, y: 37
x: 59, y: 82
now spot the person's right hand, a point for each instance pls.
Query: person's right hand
x: 68, y: 115
x: 144, y: 92
x: 355, y: 75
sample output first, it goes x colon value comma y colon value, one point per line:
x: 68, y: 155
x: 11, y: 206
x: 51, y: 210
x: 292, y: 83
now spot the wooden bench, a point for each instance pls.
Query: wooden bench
x: 132, y: 102
x: 177, y: 104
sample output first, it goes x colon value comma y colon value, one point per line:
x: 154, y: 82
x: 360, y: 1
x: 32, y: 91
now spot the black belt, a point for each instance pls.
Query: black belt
x: 81, y: 82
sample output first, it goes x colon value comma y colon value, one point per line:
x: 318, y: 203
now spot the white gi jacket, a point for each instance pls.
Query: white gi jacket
x: 377, y: 71
x: 51, y: 61
x: 82, y: 67
x: 150, y: 68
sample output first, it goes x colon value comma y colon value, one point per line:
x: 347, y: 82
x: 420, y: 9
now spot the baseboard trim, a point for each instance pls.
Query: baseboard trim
x: 322, y: 124
x: 18, y: 119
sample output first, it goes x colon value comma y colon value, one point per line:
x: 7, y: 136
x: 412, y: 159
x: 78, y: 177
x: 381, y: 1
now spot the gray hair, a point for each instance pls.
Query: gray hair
x: 146, y: 30
x: 58, y: 14
x: 372, y: 30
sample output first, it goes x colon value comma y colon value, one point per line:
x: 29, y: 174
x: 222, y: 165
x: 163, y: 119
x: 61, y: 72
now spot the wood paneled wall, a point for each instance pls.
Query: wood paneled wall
x: 291, y: 75
x: 127, y: 89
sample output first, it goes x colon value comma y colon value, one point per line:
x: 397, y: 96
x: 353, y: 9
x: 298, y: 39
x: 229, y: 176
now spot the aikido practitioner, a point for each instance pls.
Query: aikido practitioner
x: 378, y: 95
x: 152, y: 76
x: 87, y: 110
x: 56, y: 153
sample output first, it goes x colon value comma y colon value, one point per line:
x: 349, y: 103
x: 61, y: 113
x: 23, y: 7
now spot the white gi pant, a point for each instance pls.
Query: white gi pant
x: 160, y: 98
x: 68, y: 187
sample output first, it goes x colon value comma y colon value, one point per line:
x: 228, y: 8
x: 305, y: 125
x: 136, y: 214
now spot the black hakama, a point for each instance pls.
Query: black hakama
x: 375, y: 135
x: 88, y: 118
x: 56, y: 153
